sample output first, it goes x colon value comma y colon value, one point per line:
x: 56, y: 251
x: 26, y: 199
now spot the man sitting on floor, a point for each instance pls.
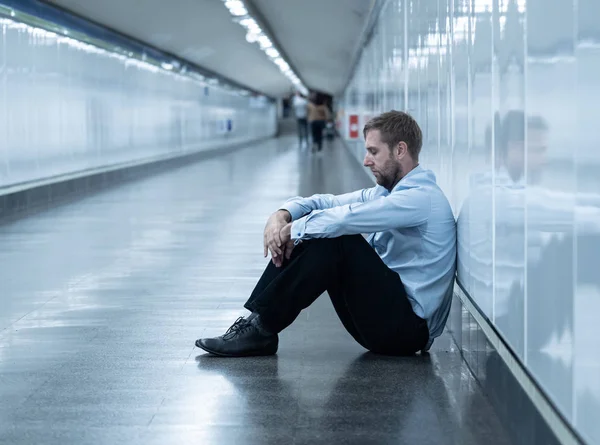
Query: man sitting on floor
x: 392, y: 291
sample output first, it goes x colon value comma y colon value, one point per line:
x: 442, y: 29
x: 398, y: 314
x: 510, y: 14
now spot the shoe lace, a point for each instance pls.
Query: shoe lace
x: 239, y: 326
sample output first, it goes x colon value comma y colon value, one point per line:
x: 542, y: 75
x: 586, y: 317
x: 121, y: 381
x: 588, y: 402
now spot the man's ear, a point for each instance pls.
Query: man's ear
x: 401, y: 149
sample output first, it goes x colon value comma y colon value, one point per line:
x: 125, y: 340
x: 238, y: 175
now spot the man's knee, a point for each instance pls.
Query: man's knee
x: 331, y: 244
x: 338, y: 240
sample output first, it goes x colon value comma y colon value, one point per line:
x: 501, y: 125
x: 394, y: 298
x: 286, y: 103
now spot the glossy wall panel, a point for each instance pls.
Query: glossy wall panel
x: 507, y: 93
x: 67, y: 106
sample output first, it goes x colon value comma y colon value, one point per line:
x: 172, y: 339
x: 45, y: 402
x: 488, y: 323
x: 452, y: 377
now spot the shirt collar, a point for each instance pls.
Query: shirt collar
x: 414, y: 171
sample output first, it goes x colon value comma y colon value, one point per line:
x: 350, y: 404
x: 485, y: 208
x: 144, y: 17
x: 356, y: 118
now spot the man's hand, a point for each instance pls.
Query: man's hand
x: 272, y: 236
x: 287, y: 245
x: 286, y: 237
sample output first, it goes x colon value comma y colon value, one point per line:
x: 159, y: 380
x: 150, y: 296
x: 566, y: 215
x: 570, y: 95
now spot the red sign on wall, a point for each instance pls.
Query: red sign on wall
x: 353, y: 126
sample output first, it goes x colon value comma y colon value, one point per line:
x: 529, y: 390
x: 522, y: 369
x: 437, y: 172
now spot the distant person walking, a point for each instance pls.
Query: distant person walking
x: 300, y: 104
x: 318, y: 115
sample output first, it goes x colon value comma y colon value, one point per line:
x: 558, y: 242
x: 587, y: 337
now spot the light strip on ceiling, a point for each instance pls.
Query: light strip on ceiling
x: 254, y: 34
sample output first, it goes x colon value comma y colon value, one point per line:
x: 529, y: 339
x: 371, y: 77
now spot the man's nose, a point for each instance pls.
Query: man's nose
x: 367, y: 161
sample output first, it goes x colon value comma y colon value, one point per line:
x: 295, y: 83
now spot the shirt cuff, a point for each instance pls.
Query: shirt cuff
x: 296, y: 210
x: 298, y: 231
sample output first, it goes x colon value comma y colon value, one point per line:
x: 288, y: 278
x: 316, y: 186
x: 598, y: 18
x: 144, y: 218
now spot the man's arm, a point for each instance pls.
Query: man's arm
x: 547, y: 210
x: 406, y: 208
x: 298, y: 207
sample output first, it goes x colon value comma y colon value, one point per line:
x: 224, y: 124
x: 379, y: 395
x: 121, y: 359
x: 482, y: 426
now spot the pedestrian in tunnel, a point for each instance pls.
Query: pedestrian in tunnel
x: 300, y: 104
x: 318, y: 115
x: 391, y: 290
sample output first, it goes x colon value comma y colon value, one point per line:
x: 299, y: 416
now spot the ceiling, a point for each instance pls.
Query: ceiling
x: 319, y: 37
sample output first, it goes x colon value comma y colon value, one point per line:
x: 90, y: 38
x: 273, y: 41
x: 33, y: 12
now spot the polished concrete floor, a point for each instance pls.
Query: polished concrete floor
x: 101, y: 301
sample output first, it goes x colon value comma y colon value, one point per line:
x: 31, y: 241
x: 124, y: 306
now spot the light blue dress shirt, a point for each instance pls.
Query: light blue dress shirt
x: 412, y: 229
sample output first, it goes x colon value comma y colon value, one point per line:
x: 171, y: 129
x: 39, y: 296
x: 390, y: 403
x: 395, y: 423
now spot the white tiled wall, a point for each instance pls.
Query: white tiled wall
x: 507, y: 93
x: 67, y: 106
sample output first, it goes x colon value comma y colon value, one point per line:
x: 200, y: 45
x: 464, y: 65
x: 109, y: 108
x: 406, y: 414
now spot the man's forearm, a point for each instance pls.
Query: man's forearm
x: 299, y: 207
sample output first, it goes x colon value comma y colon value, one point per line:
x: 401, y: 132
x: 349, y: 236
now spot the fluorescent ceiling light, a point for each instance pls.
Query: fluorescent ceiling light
x: 249, y: 23
x: 253, y: 26
x: 272, y: 52
x: 231, y: 4
x: 238, y: 10
x: 264, y: 42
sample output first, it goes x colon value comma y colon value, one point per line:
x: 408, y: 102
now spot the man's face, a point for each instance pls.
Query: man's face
x: 382, y: 161
x: 536, y: 154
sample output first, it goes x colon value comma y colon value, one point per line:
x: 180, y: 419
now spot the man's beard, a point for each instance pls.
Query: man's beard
x: 389, y: 180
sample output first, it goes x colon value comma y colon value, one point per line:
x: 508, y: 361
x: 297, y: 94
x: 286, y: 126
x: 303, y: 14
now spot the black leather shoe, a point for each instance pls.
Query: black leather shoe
x: 242, y: 339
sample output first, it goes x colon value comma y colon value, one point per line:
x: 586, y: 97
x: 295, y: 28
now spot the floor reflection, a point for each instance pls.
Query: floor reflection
x: 369, y: 399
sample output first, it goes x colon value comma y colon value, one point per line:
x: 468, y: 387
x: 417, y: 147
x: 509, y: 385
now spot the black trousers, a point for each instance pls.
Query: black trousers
x: 302, y: 130
x: 369, y: 297
x: 317, y: 128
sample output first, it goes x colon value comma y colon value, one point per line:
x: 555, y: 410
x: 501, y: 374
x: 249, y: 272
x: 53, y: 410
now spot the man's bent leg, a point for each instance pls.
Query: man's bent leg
x: 372, y: 303
x: 249, y: 337
x: 369, y: 297
x: 282, y: 293
x: 271, y: 272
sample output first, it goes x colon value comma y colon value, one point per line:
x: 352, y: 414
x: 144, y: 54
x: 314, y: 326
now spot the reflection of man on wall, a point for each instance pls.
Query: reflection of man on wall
x: 519, y: 170
x: 536, y: 232
x: 511, y: 147
x: 527, y: 221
